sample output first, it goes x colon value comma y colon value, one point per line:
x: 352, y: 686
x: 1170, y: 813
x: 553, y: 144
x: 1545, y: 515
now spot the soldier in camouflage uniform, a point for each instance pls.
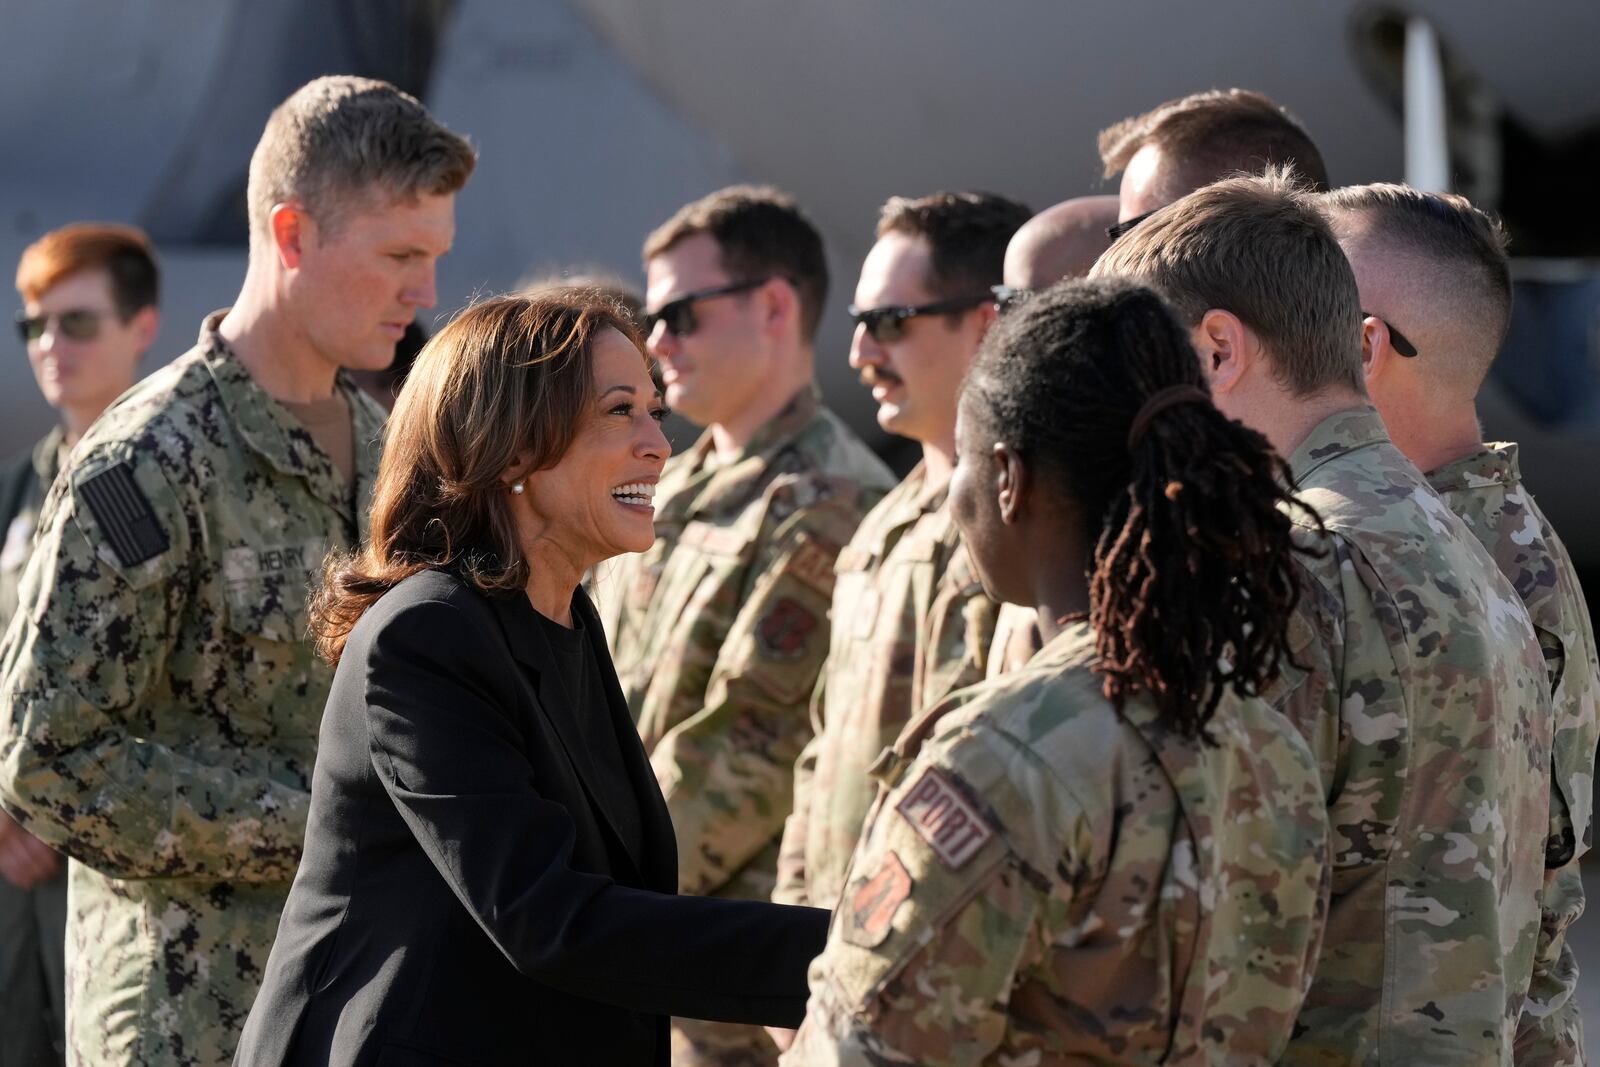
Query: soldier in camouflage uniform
x: 911, y: 622
x: 89, y: 312
x: 1420, y: 664
x: 1062, y: 241
x: 1062, y: 869
x: 719, y: 630
x: 161, y: 699
x: 1438, y: 265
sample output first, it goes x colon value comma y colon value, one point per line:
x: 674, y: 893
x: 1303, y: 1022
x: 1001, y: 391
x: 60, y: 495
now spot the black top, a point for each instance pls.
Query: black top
x: 597, y: 733
x: 467, y: 896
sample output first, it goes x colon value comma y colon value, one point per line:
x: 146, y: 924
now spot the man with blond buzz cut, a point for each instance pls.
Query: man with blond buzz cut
x: 1062, y: 241
x: 1434, y: 266
x: 1184, y: 144
x: 911, y: 621
x: 89, y: 294
x: 161, y: 698
x: 1417, y: 678
x: 720, y: 629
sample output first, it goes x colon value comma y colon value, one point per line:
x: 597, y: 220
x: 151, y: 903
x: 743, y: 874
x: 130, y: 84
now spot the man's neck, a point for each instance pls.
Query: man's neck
x: 273, y: 348
x: 1437, y: 438
x: 938, y: 461
x: 1289, y: 421
x: 730, y: 436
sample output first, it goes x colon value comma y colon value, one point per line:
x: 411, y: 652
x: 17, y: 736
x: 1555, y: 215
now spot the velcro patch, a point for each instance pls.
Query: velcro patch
x: 784, y: 630
x: 873, y: 902
x: 813, y: 566
x: 124, y: 515
x: 943, y: 818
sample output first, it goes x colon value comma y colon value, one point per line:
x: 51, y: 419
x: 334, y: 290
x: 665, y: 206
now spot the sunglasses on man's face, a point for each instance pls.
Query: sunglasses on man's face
x: 886, y: 324
x: 77, y: 324
x: 1007, y: 297
x: 1397, y: 340
x: 679, y: 314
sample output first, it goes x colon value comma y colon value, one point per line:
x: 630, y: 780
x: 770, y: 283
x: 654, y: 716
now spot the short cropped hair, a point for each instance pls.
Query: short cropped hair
x: 1212, y: 134
x: 966, y: 232
x: 1444, y: 229
x: 1259, y: 247
x: 339, y: 137
x: 760, y: 231
x: 123, y: 252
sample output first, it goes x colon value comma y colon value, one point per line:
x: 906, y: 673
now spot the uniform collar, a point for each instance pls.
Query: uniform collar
x: 1494, y: 464
x: 710, y: 486
x: 281, y: 439
x: 1338, y: 435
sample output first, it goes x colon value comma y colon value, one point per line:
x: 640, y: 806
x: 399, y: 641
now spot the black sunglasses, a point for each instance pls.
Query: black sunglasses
x: 679, y: 314
x: 1007, y: 297
x: 1396, y: 338
x: 78, y: 324
x: 886, y: 324
x: 1116, y: 230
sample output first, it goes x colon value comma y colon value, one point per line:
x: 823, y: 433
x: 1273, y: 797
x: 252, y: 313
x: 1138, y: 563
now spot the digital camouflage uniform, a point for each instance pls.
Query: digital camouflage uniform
x: 32, y: 921
x: 911, y: 625
x: 161, y: 699
x: 1047, y: 880
x: 1425, y: 700
x: 718, y: 632
x: 1485, y: 489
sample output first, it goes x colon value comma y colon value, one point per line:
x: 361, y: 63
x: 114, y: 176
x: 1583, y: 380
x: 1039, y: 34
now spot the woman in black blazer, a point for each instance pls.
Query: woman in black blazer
x: 489, y: 870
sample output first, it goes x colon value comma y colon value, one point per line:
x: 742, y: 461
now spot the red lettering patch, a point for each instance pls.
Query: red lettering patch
x: 873, y: 902
x: 944, y: 818
x: 784, y: 630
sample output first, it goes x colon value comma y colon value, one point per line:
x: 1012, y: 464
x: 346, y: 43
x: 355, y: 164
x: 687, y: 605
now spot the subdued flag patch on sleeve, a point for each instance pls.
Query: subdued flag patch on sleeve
x: 124, y: 515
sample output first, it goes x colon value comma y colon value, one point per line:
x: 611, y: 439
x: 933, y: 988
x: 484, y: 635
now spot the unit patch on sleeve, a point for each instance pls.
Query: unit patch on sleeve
x: 783, y: 632
x: 945, y: 819
x: 873, y: 902
x: 124, y: 515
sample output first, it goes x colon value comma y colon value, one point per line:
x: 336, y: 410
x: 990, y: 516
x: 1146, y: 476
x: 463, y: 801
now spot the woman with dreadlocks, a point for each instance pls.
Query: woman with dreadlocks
x: 1118, y: 853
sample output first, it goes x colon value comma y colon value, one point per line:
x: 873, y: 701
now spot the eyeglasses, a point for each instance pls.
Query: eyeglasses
x: 1118, y: 229
x: 886, y: 324
x: 1396, y: 338
x: 1007, y: 297
x: 78, y: 324
x: 679, y: 314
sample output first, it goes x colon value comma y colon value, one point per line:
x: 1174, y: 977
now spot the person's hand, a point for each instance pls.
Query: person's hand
x: 781, y: 1037
x: 25, y: 861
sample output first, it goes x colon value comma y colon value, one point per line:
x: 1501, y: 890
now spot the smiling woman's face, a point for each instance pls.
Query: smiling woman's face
x: 596, y: 502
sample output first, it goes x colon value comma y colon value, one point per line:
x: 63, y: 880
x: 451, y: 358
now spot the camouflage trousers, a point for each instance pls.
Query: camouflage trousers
x: 696, y: 1043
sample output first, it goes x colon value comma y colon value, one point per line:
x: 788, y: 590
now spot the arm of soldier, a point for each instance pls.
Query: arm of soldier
x: 791, y: 884
x: 727, y: 772
x: 102, y: 606
x: 961, y: 629
x: 939, y: 922
x: 1550, y: 1029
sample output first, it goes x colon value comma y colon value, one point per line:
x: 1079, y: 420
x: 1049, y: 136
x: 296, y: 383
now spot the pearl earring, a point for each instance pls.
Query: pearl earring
x: 517, y: 487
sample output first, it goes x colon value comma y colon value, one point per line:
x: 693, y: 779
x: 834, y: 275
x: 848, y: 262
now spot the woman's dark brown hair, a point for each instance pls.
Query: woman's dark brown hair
x: 513, y: 375
x: 1193, y: 579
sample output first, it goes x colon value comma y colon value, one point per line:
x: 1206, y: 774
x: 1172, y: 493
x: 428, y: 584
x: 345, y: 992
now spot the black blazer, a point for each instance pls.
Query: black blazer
x: 464, y: 898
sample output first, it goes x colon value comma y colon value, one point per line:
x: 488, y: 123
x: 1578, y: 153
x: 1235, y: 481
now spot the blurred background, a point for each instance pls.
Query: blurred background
x: 595, y: 119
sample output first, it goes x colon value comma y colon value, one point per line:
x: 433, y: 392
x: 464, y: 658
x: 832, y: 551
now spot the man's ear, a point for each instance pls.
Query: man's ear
x: 146, y: 323
x: 1226, y: 348
x: 1011, y: 484
x: 1376, y: 351
x: 780, y: 303
x: 291, y: 230
x: 984, y: 315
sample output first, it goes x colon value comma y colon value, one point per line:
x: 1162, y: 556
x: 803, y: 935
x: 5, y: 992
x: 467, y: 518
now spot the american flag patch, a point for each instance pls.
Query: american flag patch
x: 124, y: 515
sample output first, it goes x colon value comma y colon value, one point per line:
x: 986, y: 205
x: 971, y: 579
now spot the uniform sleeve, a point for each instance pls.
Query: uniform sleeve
x: 937, y: 921
x: 102, y: 601
x: 727, y: 771
x: 1550, y: 1029
x: 791, y: 884
x: 962, y: 628
x: 454, y: 764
